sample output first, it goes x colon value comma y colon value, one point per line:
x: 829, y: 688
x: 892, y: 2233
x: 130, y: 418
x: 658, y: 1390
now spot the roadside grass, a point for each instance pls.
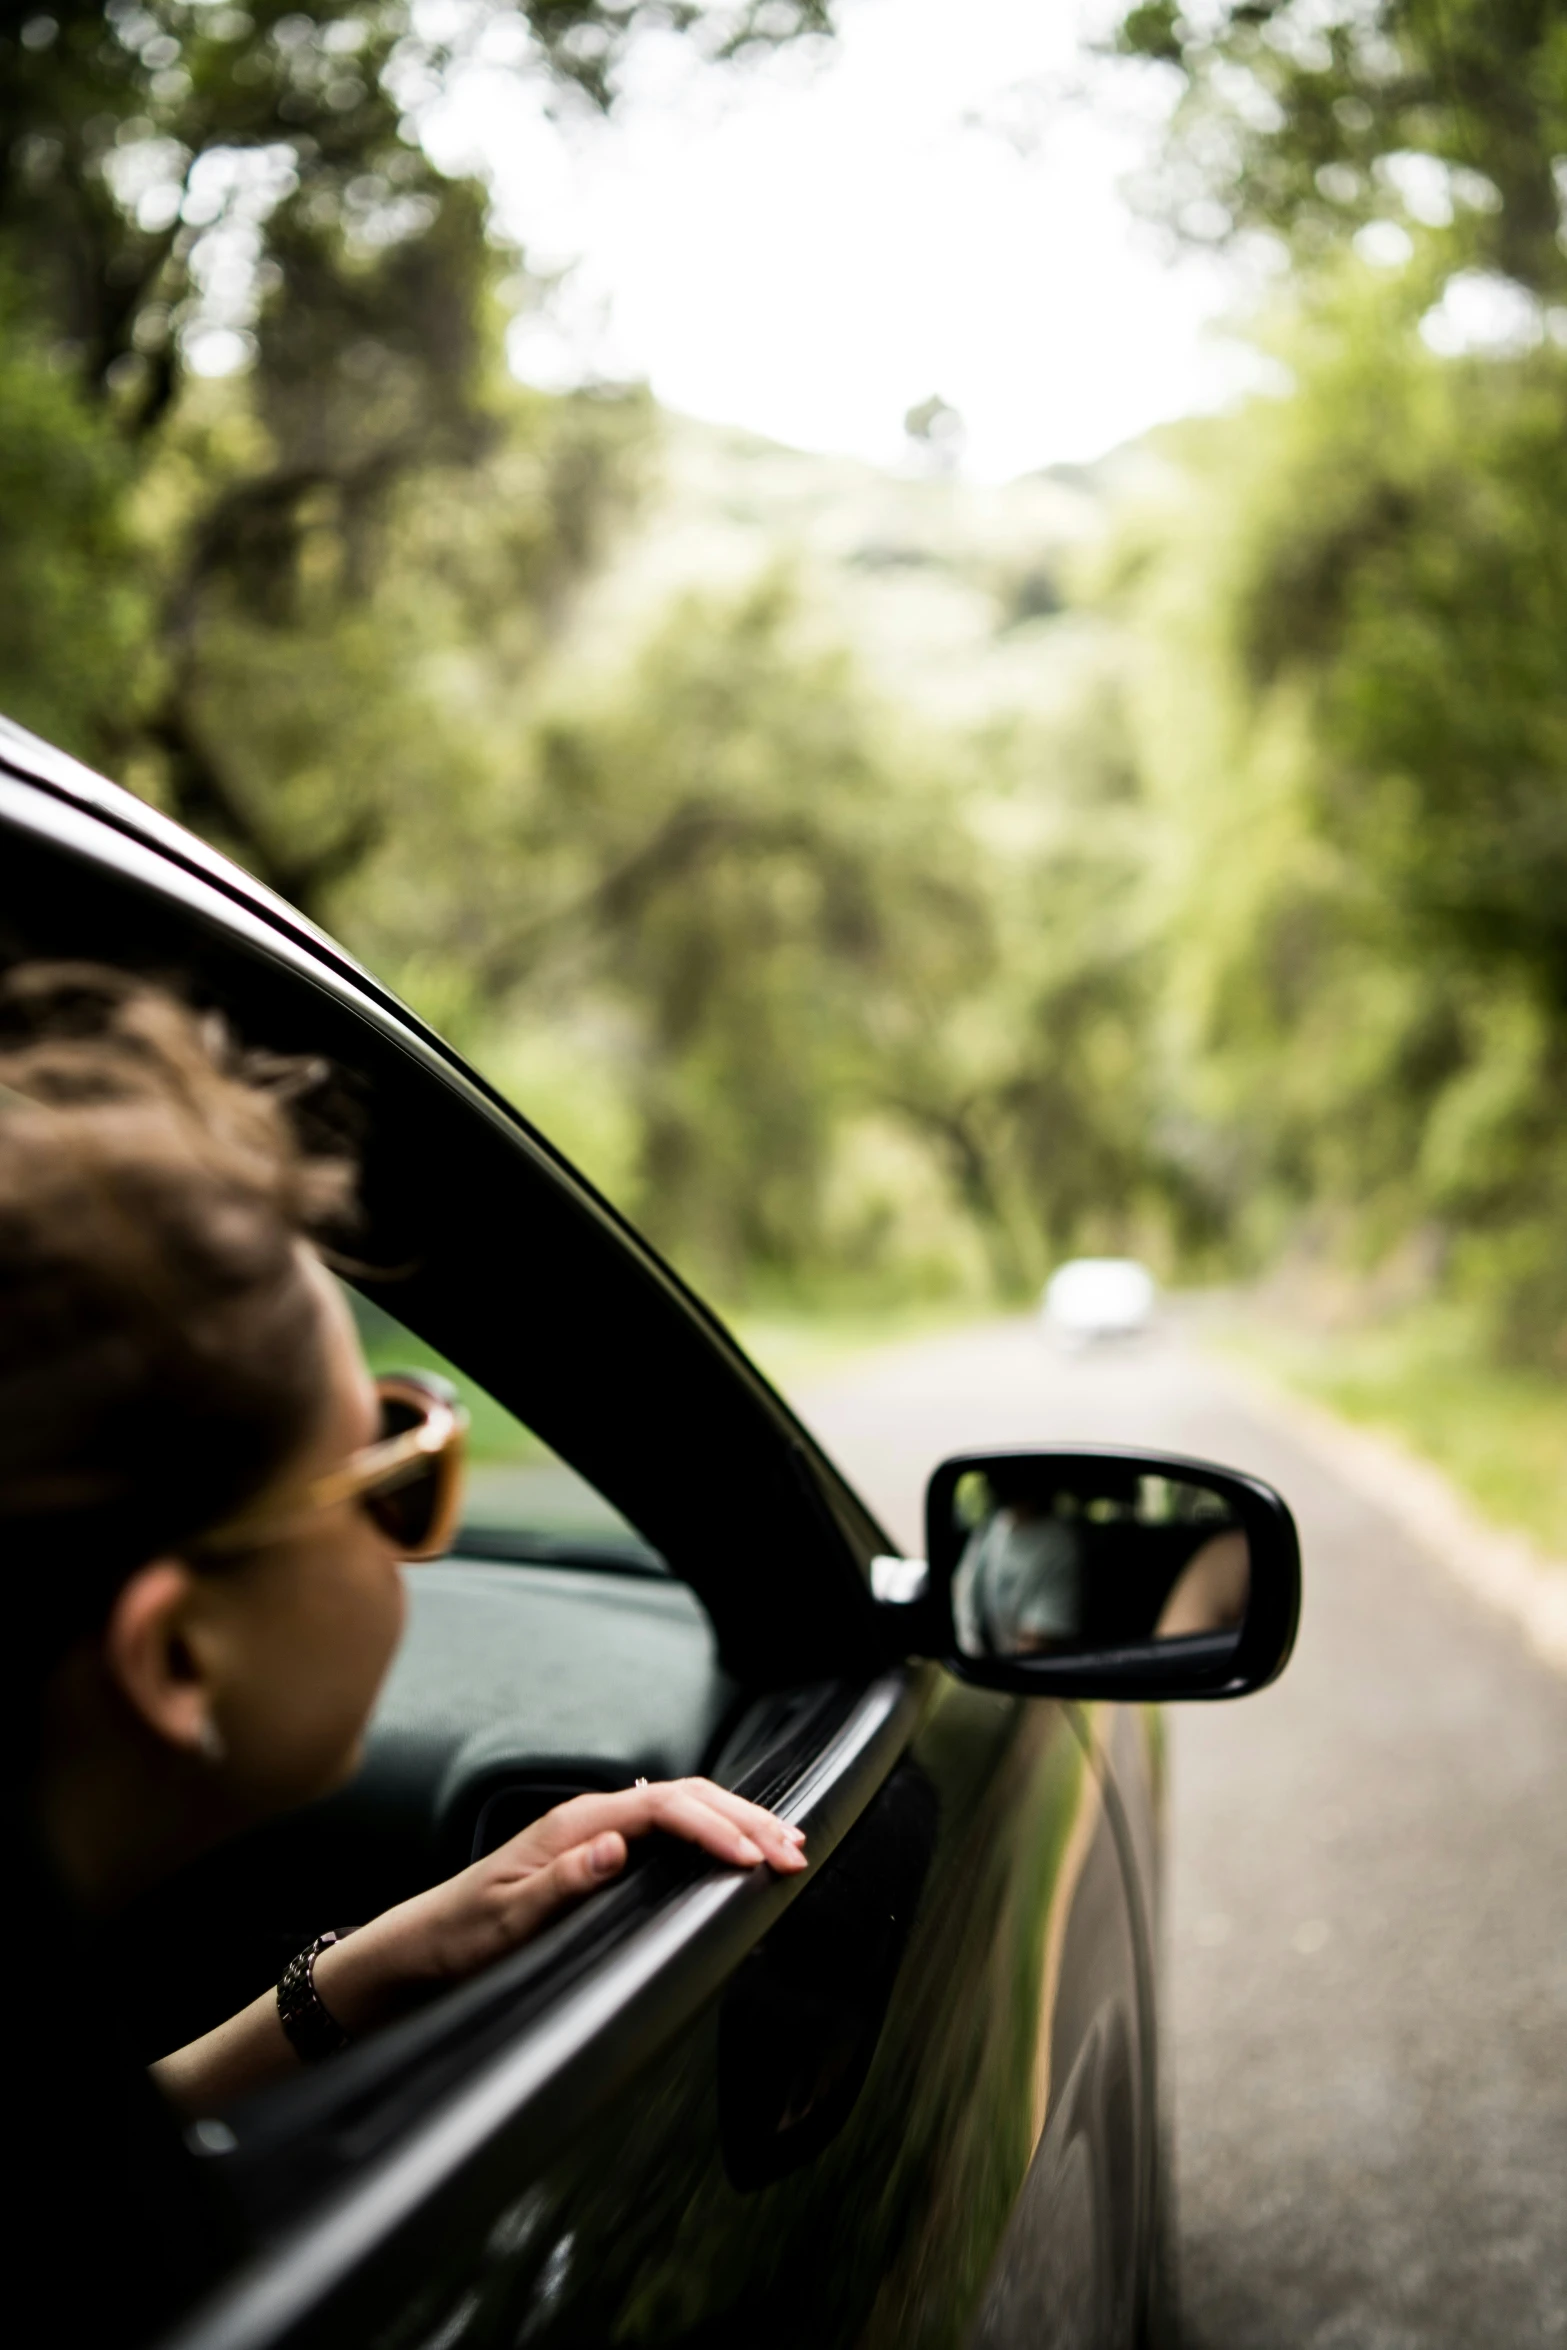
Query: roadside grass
x: 1499, y: 1434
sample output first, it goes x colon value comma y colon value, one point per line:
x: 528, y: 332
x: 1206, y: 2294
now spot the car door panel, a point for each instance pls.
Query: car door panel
x: 893, y: 2230
x: 558, y: 2223
x: 800, y: 2020
x: 425, y: 2134
x: 1069, y: 2264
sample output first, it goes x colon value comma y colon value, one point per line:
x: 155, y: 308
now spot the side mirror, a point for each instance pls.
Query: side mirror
x: 1107, y: 1574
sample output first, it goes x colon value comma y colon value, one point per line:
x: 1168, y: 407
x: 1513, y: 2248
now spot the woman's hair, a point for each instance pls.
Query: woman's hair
x: 160, y: 1340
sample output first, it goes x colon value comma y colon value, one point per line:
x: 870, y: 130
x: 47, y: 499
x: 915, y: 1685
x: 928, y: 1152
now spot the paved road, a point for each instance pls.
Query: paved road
x: 1368, y: 1956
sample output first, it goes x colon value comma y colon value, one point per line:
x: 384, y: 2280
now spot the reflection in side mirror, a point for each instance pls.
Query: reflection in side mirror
x: 1058, y: 1563
x: 1109, y: 1573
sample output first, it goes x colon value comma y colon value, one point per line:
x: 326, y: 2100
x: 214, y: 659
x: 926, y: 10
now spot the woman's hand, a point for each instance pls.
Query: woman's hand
x: 456, y: 1928
x: 453, y: 1930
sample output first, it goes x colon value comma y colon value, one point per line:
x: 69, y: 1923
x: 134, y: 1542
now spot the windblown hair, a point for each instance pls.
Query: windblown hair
x: 160, y: 1344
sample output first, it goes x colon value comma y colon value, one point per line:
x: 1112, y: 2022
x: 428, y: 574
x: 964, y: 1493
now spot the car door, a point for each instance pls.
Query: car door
x: 907, y: 2100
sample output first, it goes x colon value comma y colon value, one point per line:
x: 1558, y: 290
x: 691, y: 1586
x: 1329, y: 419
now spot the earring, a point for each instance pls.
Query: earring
x: 210, y: 1742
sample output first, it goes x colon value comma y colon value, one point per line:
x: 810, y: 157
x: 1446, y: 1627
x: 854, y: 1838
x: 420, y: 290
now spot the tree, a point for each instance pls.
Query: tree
x: 169, y: 166
x: 721, y: 877
x: 75, y: 617
x: 1356, y: 724
x: 188, y: 185
x: 1450, y: 115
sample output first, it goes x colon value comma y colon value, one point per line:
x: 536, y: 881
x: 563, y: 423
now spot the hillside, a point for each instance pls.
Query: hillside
x: 950, y: 592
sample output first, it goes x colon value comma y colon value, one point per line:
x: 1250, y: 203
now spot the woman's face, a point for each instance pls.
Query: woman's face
x: 308, y: 1626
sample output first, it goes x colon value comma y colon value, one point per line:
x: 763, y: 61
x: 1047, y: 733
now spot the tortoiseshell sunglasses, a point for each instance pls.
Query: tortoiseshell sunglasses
x: 408, y: 1483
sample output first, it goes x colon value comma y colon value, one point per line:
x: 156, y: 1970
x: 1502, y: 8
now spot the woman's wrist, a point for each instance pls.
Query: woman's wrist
x: 350, y: 1980
x: 375, y: 1974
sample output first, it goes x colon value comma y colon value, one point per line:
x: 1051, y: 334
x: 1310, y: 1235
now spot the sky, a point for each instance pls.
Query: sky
x: 811, y: 244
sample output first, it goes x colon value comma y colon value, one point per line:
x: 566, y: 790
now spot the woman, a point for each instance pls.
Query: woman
x: 199, y: 1512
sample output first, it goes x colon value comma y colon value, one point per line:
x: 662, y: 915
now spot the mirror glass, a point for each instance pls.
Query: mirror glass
x: 1055, y: 1558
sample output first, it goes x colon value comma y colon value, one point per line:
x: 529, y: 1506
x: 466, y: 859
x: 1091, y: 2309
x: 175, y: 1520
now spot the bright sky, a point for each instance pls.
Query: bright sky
x: 811, y: 244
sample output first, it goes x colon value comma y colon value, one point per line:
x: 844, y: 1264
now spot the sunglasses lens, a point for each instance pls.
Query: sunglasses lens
x: 399, y: 1413
x: 410, y: 1507
x: 407, y: 1511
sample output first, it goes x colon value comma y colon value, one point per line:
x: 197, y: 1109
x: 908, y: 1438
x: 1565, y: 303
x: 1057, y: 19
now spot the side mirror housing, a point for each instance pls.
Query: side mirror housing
x: 1105, y: 1574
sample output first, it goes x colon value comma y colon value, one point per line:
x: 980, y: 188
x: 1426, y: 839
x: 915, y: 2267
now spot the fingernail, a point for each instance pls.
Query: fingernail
x: 604, y: 1856
x: 748, y: 1852
x: 795, y: 1835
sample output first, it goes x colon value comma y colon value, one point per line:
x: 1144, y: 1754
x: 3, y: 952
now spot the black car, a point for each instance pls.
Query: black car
x: 912, y: 2097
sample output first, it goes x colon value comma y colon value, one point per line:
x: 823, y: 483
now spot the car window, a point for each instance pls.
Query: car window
x: 523, y: 1502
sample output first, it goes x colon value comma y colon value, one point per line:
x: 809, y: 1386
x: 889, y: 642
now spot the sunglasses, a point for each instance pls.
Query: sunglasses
x: 408, y: 1483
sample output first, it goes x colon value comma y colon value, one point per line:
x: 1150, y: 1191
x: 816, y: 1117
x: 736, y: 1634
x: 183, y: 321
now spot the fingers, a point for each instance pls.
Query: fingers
x: 451, y: 1930
x: 722, y: 1823
x: 602, y: 1858
x: 763, y: 1827
x: 535, y: 1899
x: 681, y: 1811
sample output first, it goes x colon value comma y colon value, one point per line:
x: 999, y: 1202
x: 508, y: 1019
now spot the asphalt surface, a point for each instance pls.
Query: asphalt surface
x: 1367, y: 1962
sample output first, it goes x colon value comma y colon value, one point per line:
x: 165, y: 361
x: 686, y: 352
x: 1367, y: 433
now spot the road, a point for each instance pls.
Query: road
x: 1368, y: 1920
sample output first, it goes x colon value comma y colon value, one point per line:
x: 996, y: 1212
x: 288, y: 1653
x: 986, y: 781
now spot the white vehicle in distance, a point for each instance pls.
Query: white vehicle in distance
x: 1091, y: 1298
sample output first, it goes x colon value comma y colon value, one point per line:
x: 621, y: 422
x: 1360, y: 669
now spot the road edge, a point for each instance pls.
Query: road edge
x: 1504, y: 1570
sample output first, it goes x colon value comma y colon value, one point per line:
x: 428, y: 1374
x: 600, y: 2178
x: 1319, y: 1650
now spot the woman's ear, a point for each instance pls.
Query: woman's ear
x: 154, y: 1654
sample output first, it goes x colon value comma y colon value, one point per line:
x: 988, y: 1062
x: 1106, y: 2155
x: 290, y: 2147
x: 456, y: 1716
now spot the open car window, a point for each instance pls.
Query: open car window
x: 522, y: 1502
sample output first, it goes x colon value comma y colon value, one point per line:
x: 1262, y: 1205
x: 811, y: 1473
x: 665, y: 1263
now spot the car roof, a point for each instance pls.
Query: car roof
x: 35, y: 761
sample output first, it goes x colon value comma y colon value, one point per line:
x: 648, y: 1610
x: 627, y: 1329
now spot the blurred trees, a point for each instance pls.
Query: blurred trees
x: 1360, y: 715
x: 814, y: 994
x: 1352, y: 705
x: 296, y: 557
x: 191, y: 188
x: 75, y: 611
x: 1261, y: 931
x: 175, y: 169
x: 1445, y: 115
x: 811, y: 994
x: 865, y: 961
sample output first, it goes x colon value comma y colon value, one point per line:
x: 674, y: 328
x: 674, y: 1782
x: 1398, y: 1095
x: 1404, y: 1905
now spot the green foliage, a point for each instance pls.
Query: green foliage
x: 1352, y: 705
x: 812, y: 997
x: 1037, y: 1082
x: 167, y: 164
x: 1357, y: 723
x: 1450, y: 115
x: 331, y: 705
x: 812, y: 1000
x: 76, y: 626
x: 714, y: 879
x: 1253, y: 930
x: 189, y: 187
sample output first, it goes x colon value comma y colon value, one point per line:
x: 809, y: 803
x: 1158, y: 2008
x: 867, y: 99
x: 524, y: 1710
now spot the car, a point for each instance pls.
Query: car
x: 915, y: 2096
x: 1090, y: 1298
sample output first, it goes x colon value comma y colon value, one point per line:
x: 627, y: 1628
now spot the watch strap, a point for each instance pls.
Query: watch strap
x: 313, y: 2031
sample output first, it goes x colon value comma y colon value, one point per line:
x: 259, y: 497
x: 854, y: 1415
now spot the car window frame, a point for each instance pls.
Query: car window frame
x: 831, y: 1622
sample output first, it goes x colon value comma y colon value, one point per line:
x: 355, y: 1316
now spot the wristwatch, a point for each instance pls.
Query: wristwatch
x: 313, y: 2031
